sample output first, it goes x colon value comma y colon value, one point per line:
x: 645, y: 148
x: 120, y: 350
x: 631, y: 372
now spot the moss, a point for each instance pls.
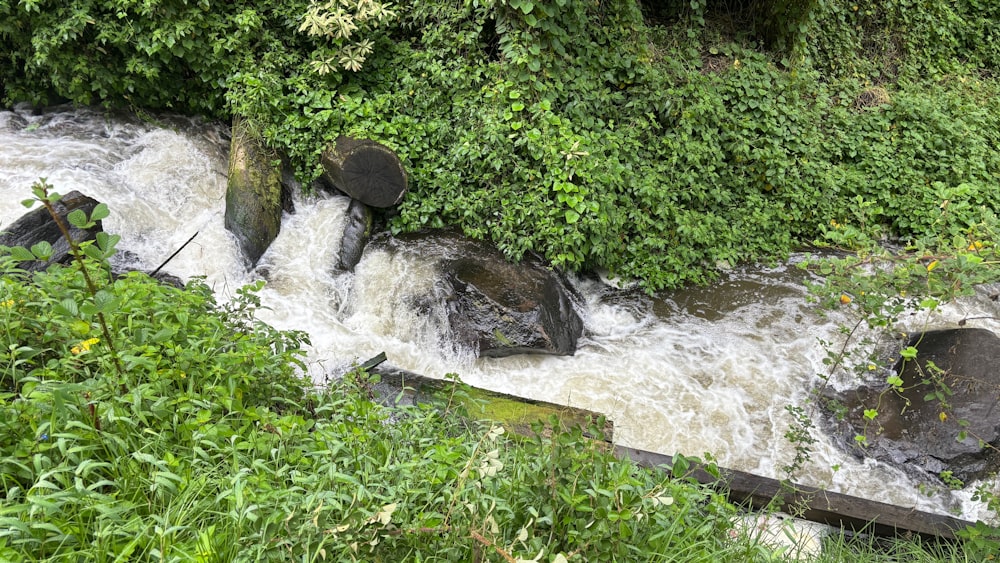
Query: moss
x: 514, y: 413
x: 253, y: 193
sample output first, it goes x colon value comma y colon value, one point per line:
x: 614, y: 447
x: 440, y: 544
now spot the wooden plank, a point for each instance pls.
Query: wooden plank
x: 814, y: 504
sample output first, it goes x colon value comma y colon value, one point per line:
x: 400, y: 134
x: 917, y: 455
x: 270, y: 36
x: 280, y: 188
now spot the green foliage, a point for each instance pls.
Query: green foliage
x: 578, y: 130
x: 886, y: 40
x: 339, y: 22
x: 207, y: 447
x: 799, y: 434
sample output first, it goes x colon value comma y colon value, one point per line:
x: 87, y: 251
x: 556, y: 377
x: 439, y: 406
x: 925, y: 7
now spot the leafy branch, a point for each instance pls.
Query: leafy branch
x: 105, y: 248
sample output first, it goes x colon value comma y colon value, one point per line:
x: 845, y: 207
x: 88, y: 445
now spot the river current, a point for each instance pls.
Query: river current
x: 706, y: 370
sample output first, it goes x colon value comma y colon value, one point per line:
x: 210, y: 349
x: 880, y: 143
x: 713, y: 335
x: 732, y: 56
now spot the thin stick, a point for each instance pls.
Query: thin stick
x: 171, y: 257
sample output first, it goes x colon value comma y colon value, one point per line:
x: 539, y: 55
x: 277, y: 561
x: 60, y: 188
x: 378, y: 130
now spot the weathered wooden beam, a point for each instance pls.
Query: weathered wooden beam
x: 814, y: 504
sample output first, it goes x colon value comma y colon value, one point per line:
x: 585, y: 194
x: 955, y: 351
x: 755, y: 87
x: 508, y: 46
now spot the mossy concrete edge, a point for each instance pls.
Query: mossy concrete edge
x: 517, y: 414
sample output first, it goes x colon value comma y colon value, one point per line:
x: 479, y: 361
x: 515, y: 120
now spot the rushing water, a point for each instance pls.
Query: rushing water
x: 696, y: 371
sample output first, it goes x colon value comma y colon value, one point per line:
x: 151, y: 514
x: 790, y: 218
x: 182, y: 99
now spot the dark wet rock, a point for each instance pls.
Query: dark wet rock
x: 12, y: 121
x: 254, y: 194
x: 357, y: 231
x: 167, y: 279
x: 919, y: 428
x: 126, y: 261
x: 37, y: 226
x: 495, y: 307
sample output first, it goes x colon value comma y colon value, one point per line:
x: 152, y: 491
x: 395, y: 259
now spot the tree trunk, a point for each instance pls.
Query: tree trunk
x: 365, y: 170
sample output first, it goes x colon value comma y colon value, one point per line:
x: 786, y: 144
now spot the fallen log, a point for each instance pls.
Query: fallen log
x: 365, y: 170
x: 814, y: 504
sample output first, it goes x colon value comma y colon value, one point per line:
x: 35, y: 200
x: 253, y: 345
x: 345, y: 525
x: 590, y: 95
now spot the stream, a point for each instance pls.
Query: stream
x: 703, y: 370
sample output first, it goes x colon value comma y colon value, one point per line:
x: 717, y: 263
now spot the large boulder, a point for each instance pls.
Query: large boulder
x: 254, y: 194
x: 37, y: 226
x: 950, y: 391
x: 494, y: 307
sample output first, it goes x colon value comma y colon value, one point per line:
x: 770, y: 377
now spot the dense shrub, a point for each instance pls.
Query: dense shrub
x: 578, y: 130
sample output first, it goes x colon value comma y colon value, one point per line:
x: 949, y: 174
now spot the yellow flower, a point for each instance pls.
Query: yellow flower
x: 943, y: 416
x: 7, y: 304
x: 737, y: 63
x: 845, y: 299
x: 977, y: 245
x: 84, y: 346
x: 932, y: 265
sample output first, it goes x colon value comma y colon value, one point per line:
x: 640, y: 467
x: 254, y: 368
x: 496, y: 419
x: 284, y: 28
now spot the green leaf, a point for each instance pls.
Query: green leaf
x: 100, y: 212
x: 78, y: 218
x: 908, y: 353
x: 870, y: 414
x: 29, y: 203
x: 93, y: 252
x: 163, y: 335
x: 105, y: 301
x: 107, y: 242
x: 572, y: 216
x: 42, y: 250
x: 67, y: 307
x: 21, y: 254
x: 679, y: 466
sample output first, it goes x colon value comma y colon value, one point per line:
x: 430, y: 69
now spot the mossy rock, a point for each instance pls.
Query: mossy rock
x: 253, y: 193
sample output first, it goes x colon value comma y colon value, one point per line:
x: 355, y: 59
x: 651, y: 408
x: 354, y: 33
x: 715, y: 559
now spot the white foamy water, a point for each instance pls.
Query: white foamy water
x: 705, y: 370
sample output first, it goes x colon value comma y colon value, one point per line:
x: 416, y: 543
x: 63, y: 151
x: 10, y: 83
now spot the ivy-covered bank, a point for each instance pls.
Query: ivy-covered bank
x: 657, y: 140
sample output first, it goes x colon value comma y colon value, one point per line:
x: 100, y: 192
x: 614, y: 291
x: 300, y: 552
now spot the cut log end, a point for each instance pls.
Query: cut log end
x: 365, y: 170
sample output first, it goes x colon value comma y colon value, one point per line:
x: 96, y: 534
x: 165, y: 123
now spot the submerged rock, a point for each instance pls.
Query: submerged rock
x: 356, y: 233
x: 950, y: 391
x: 494, y: 307
x: 37, y: 226
x: 12, y: 121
